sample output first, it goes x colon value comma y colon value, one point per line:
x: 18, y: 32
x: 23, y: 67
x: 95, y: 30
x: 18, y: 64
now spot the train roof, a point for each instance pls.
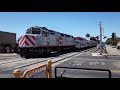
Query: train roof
x: 52, y: 31
x: 80, y: 38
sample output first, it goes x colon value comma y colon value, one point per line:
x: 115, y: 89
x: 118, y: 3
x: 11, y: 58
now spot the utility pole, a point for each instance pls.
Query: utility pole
x: 103, y: 31
x: 100, y: 39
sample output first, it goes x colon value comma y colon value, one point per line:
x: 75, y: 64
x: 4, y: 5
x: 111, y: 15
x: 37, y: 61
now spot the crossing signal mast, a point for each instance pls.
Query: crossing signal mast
x: 100, y: 38
x: 103, y: 31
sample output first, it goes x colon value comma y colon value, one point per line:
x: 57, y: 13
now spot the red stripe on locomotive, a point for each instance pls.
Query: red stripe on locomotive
x: 29, y: 40
x: 25, y: 43
x: 22, y: 40
x: 33, y: 37
x: 60, y: 40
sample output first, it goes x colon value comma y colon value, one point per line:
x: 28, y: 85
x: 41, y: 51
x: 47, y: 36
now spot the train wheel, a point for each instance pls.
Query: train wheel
x: 21, y: 55
x: 27, y: 56
x: 59, y: 50
x: 49, y: 51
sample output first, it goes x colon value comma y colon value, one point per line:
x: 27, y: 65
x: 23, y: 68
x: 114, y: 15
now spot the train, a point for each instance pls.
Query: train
x: 43, y: 41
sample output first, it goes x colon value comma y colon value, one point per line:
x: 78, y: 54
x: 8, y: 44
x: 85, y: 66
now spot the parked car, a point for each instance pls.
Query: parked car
x: 118, y: 45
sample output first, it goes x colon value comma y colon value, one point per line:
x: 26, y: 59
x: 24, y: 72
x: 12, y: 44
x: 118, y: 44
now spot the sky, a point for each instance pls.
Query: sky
x: 73, y: 23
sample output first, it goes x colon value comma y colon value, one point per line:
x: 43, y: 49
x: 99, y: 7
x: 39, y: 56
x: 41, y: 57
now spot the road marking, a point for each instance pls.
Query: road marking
x: 98, y: 54
x: 96, y: 63
x: 117, y: 64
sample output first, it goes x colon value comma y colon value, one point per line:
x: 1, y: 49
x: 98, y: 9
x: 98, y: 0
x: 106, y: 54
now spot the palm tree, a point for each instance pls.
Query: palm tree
x: 87, y: 35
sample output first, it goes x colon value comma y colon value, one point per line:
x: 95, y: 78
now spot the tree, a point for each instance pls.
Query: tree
x: 109, y: 41
x: 87, y: 35
x: 113, y: 36
x: 93, y: 38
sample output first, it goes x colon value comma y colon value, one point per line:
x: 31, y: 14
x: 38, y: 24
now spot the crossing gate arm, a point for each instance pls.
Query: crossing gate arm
x: 81, y: 69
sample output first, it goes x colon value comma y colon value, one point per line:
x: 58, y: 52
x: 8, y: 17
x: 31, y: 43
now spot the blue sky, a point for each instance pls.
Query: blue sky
x: 73, y: 23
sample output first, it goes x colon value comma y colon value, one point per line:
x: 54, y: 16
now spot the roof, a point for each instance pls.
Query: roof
x: 7, y: 32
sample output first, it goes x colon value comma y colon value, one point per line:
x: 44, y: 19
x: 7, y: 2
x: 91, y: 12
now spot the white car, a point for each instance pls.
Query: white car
x: 118, y: 45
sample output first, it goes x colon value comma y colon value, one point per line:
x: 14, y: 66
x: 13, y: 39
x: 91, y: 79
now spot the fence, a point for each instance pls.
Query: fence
x: 43, y: 71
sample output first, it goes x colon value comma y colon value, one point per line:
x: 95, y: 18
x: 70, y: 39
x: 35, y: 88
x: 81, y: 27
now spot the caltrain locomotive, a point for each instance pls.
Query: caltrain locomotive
x: 41, y: 41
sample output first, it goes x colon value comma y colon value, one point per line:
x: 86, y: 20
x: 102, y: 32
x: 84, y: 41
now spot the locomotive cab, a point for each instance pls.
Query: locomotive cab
x: 35, y: 41
x: 33, y: 30
x: 30, y: 38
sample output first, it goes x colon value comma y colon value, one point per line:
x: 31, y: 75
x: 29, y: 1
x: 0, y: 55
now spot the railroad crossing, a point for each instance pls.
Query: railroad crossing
x: 82, y: 59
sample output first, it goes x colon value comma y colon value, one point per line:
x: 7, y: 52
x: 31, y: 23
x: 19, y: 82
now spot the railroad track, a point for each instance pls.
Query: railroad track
x: 33, y: 62
x: 17, y: 64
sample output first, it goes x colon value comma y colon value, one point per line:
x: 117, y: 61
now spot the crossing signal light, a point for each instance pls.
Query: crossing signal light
x: 97, y: 37
x: 105, y: 37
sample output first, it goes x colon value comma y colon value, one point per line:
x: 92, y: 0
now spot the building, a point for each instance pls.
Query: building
x: 7, y: 39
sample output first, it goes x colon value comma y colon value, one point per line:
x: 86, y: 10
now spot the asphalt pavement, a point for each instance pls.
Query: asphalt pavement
x: 86, y: 60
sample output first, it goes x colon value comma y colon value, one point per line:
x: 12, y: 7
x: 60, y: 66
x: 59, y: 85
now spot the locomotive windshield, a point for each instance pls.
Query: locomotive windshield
x: 33, y: 31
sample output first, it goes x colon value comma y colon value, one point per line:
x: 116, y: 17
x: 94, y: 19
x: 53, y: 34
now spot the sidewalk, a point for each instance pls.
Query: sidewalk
x: 112, y: 50
x: 7, y: 54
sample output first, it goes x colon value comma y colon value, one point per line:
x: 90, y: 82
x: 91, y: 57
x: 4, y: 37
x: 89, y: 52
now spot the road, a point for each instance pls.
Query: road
x: 10, y: 62
x: 82, y: 59
x: 86, y: 60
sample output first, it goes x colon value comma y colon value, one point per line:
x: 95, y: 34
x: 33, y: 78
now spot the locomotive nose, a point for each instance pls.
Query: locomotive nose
x: 27, y: 41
